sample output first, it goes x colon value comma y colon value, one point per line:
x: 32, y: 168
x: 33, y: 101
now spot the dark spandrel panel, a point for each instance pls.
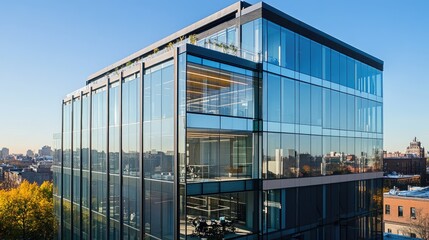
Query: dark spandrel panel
x: 251, y: 185
x: 233, y: 186
x: 210, y: 188
x: 210, y: 63
x: 194, y: 189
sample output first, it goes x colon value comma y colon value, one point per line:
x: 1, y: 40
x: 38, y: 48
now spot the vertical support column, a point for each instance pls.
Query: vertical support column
x: 141, y: 163
x: 176, y: 193
x: 238, y: 22
x: 71, y: 167
x: 121, y: 182
x: 80, y: 161
x: 107, y: 161
x: 61, y: 169
x: 90, y: 161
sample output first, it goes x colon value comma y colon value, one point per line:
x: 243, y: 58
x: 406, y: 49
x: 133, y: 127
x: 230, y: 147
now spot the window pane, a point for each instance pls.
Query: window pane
x: 288, y: 100
x: 304, y: 104
x: 335, y: 110
x: 273, y: 43
x: 316, y: 59
x: 343, y: 70
x: 335, y: 67
x: 316, y: 106
x: 326, y: 108
x: 343, y: 111
x: 304, y: 55
x: 350, y: 72
x: 326, y: 63
x: 273, y: 98
x: 218, y: 91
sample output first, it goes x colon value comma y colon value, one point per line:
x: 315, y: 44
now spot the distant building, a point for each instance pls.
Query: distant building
x: 38, y: 173
x: 393, y: 154
x: 4, y: 153
x: 416, y: 148
x: 4, y: 168
x: 30, y: 153
x: 405, y: 211
x: 45, y: 151
x: 413, y: 162
x: 400, y: 181
x: 408, y: 165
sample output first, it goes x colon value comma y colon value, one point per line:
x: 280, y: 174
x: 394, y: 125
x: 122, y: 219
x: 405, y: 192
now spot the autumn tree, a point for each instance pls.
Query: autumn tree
x: 26, y: 212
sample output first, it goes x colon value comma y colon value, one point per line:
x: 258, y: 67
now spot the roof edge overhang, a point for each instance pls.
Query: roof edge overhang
x: 205, y: 23
x: 270, y: 13
x: 248, y: 12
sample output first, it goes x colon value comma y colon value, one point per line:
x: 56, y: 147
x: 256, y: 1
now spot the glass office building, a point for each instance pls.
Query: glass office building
x: 248, y: 118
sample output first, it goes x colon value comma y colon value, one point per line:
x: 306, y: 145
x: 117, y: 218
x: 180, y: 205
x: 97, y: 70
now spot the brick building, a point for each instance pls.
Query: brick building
x: 407, y: 212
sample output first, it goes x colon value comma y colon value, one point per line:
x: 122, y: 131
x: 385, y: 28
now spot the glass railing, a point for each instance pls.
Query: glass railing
x: 230, y: 49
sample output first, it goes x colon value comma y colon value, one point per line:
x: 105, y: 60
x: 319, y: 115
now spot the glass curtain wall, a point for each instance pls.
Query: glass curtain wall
x: 99, y: 164
x: 219, y: 148
x: 181, y: 142
x: 221, y: 104
x: 158, y: 149
x: 251, y: 40
x: 56, y: 169
x: 130, y: 156
x: 289, y: 50
x: 325, y: 106
x: 85, y: 167
x: 76, y: 167
x: 287, y: 209
x: 67, y: 161
x: 114, y: 158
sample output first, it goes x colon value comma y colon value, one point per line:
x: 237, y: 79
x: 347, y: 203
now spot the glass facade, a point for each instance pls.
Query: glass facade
x: 158, y: 149
x: 250, y: 134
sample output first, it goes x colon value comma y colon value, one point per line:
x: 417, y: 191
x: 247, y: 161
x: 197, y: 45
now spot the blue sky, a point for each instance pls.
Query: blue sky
x: 48, y: 48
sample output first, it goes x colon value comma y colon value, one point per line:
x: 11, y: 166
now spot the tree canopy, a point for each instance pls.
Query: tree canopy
x: 26, y: 212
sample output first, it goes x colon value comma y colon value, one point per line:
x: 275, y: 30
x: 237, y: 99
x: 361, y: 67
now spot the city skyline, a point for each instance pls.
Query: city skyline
x: 49, y: 51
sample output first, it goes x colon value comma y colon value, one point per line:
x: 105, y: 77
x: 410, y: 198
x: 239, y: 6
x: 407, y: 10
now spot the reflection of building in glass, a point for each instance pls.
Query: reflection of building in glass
x: 252, y: 124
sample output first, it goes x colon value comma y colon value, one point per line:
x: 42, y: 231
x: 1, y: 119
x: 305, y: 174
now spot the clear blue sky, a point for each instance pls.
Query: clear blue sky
x: 48, y: 48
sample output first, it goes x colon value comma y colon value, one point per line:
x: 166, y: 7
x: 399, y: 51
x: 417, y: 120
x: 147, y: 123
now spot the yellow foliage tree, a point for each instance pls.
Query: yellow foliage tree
x: 26, y: 212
